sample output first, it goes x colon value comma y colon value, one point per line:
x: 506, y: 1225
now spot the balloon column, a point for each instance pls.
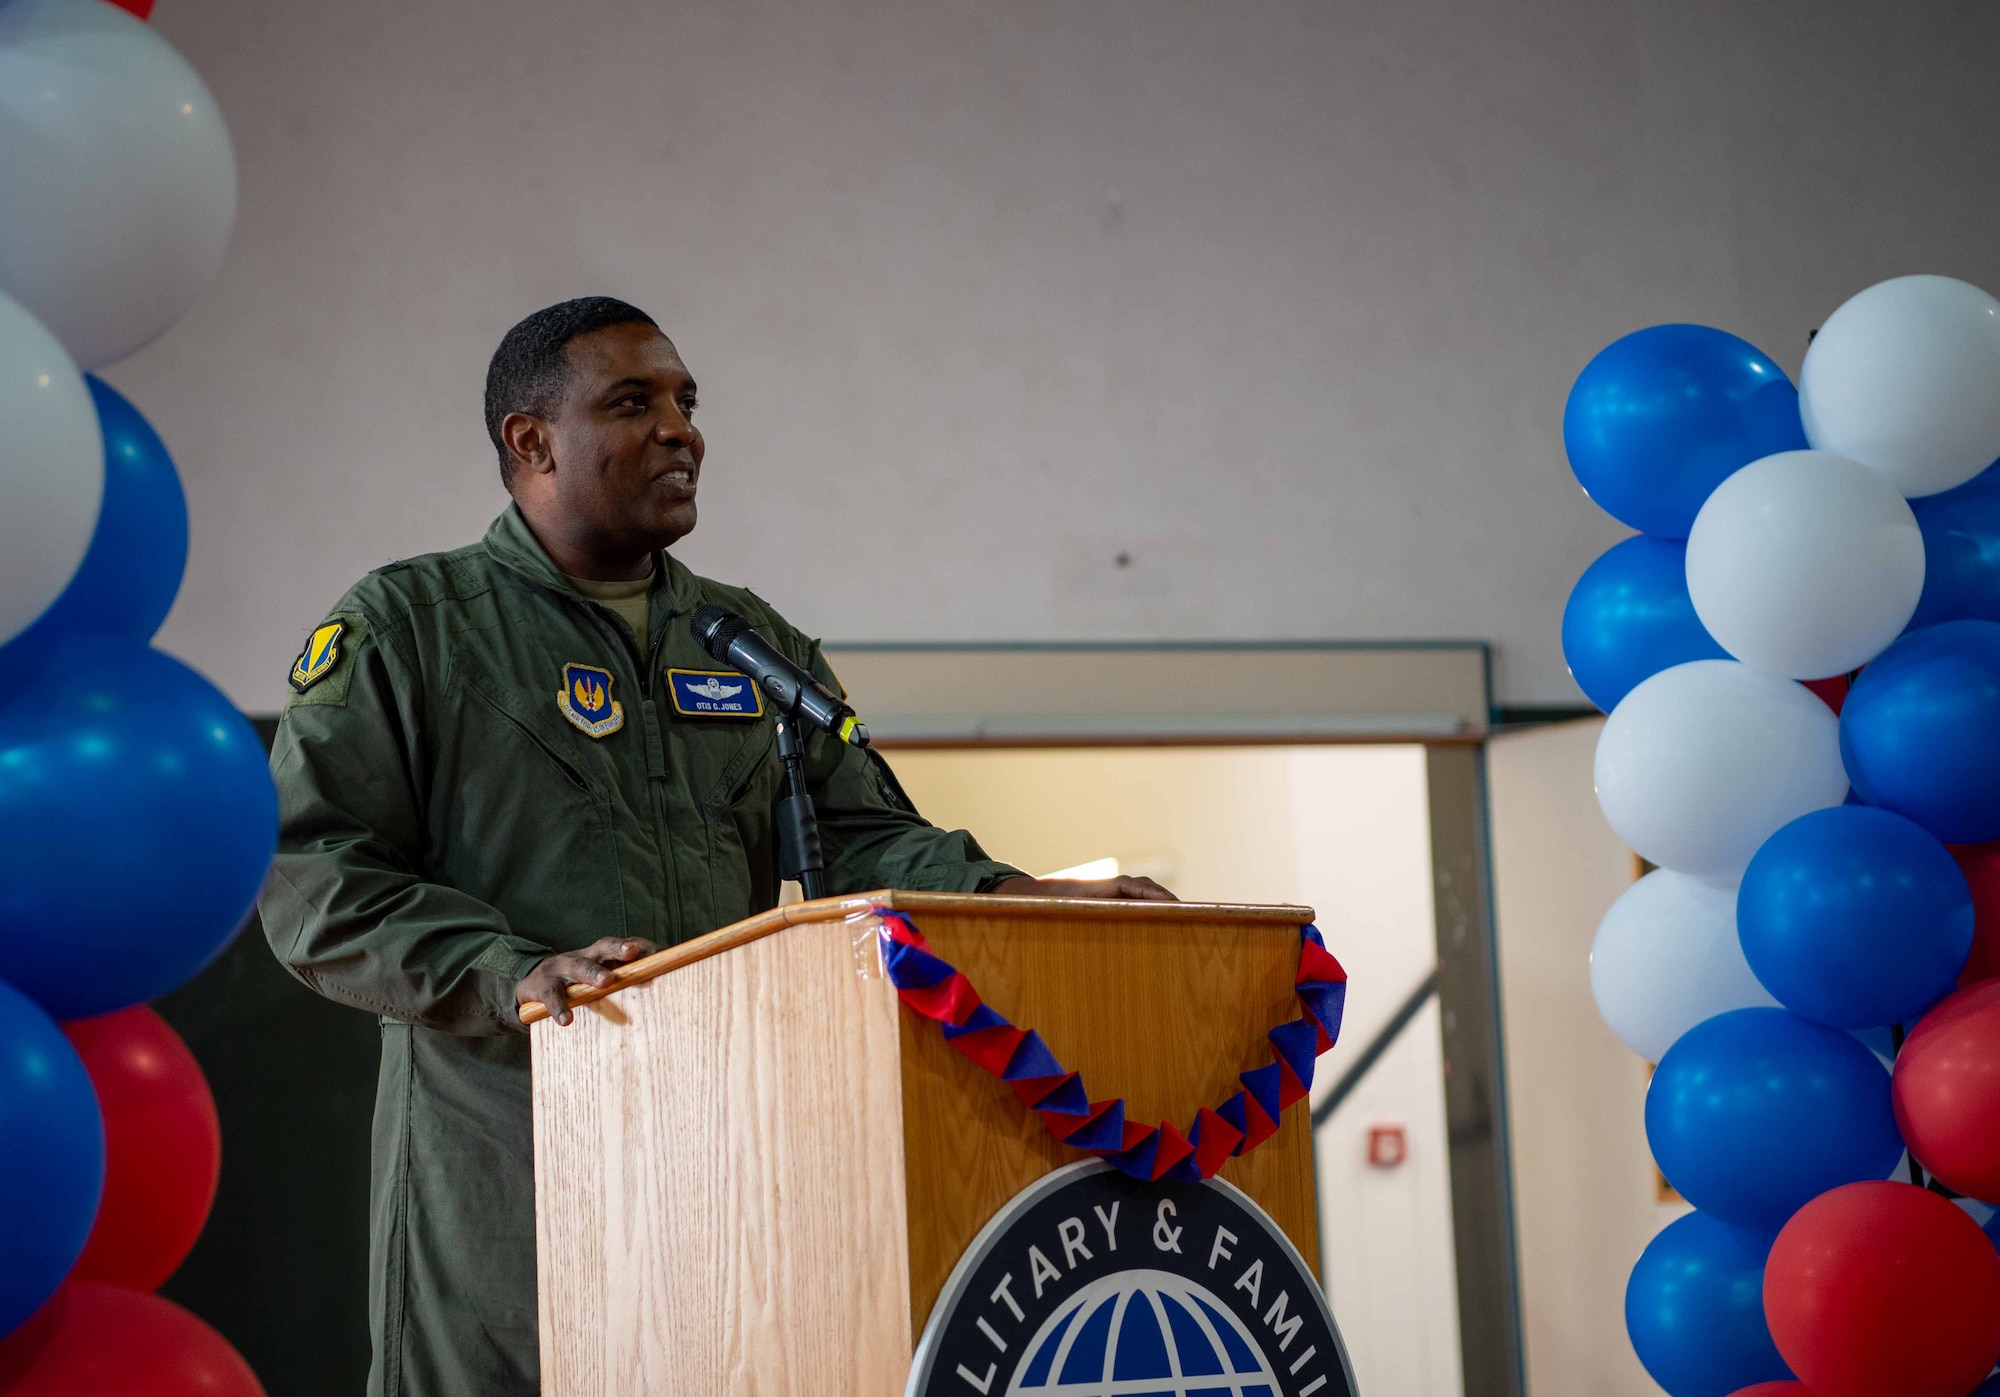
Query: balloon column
x: 136, y: 814
x: 1828, y: 856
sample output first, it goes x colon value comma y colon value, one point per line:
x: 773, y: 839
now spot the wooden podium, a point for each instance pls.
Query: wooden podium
x: 755, y: 1169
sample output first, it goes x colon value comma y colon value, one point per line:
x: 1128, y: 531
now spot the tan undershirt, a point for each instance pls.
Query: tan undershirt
x: 628, y: 599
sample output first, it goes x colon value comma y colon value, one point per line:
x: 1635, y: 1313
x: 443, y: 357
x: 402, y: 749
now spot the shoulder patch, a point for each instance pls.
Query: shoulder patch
x: 325, y: 665
x: 320, y: 655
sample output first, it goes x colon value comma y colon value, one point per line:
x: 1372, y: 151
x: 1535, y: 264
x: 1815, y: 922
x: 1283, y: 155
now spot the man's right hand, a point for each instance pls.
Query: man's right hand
x: 548, y: 983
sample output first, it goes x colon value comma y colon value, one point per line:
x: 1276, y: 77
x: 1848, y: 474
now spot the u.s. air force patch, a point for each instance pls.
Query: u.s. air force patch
x: 1091, y: 1282
x: 320, y: 655
x: 585, y: 699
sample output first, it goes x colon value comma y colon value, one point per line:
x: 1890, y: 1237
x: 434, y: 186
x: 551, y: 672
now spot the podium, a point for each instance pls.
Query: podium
x: 755, y: 1168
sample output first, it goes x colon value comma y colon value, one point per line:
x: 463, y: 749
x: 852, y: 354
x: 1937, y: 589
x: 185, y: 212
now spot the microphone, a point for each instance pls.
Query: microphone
x: 792, y: 691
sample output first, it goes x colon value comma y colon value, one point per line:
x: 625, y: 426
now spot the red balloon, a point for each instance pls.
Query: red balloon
x: 1782, y: 1388
x: 1946, y: 1090
x: 162, y: 1147
x: 141, y: 8
x: 1884, y: 1290
x: 114, y: 1342
x: 25, y: 1344
x: 1981, y: 865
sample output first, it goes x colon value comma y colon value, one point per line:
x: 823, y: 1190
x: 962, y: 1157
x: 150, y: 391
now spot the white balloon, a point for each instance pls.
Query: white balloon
x: 51, y: 469
x: 120, y: 179
x: 1805, y: 564
x: 1905, y: 378
x: 1703, y: 762
x: 1666, y: 957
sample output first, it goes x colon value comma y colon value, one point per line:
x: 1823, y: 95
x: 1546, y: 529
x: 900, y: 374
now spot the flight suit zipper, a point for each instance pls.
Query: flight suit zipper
x: 656, y: 766
x: 656, y: 758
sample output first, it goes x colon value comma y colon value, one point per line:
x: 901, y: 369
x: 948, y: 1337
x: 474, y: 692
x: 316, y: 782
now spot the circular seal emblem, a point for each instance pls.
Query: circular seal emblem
x: 1091, y: 1282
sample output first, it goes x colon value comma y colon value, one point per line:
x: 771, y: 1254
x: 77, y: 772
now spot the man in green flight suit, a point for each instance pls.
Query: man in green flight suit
x: 495, y: 783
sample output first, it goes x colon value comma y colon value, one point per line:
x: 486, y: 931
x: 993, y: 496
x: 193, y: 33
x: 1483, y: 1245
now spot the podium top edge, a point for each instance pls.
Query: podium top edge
x: 828, y: 909
x: 838, y: 909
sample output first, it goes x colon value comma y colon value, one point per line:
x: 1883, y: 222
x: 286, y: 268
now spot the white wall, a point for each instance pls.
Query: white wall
x: 1386, y: 1233
x: 1280, y: 300
x: 1360, y: 822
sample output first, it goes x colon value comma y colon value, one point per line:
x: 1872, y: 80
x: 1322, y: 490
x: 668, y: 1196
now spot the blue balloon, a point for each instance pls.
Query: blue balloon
x: 1660, y: 418
x: 137, y: 818
x: 52, y: 1161
x: 1694, y: 1309
x: 1756, y: 1112
x: 1855, y: 917
x: 132, y: 570
x: 1630, y: 617
x: 1920, y: 731
x: 1961, y: 531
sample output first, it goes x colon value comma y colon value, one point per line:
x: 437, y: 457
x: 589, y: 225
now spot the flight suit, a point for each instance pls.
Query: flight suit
x: 446, y: 824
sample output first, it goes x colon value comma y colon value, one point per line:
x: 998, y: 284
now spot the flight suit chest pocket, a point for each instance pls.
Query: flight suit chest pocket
x: 521, y: 824
x: 742, y: 789
x: 727, y: 762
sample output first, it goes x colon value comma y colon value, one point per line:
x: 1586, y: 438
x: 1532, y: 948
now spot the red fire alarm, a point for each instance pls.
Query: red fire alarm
x: 1388, y: 1146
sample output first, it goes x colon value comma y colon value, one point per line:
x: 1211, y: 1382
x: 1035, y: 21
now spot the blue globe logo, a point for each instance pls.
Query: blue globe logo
x: 1149, y: 1328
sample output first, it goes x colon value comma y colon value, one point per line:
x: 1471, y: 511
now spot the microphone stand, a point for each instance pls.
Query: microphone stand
x: 799, y: 856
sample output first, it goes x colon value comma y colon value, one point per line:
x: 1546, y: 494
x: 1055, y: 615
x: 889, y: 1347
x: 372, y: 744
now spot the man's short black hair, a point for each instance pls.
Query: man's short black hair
x: 530, y: 369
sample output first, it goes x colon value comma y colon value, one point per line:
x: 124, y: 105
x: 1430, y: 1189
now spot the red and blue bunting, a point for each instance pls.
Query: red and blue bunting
x: 1018, y: 1057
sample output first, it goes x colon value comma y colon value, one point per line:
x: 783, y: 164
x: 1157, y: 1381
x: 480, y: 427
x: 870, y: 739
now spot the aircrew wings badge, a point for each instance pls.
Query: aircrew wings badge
x: 585, y: 699
x: 321, y: 654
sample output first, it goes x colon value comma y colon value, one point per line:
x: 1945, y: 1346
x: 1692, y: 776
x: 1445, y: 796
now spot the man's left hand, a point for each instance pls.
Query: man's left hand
x: 1138, y: 889
x: 548, y: 982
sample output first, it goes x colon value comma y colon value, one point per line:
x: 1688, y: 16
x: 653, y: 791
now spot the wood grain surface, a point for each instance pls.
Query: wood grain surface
x: 1163, y: 1012
x: 718, y: 1169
